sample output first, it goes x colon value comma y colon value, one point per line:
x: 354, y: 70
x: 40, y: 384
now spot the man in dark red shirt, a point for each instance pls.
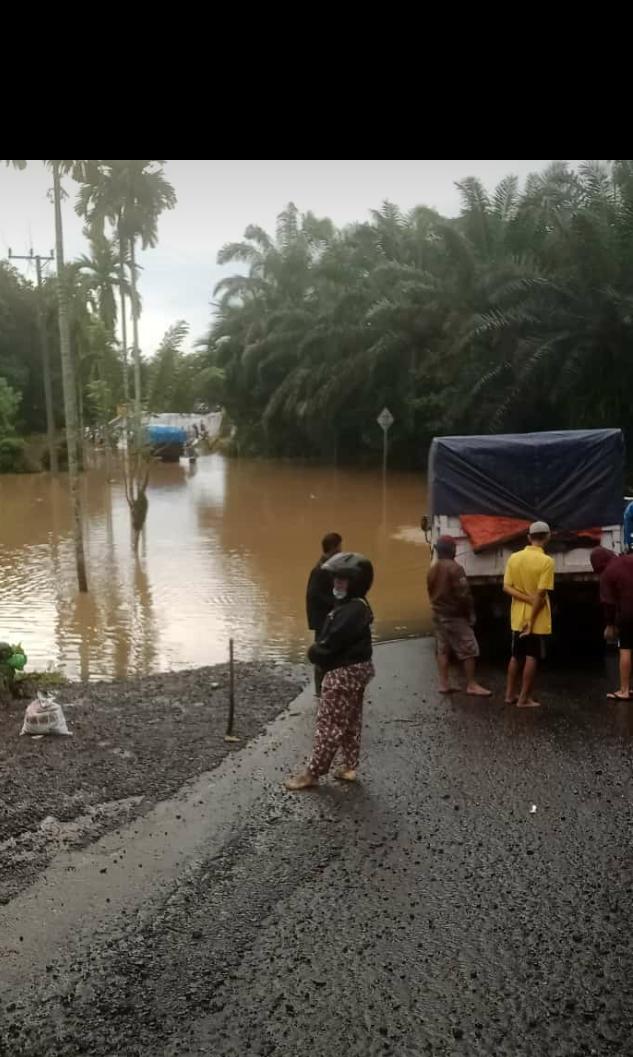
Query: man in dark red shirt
x: 616, y: 595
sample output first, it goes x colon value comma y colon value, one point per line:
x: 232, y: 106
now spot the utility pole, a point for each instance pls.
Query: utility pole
x: 44, y: 349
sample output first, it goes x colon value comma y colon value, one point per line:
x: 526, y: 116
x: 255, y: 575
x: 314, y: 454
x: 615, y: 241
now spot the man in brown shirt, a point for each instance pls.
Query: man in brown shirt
x: 453, y: 618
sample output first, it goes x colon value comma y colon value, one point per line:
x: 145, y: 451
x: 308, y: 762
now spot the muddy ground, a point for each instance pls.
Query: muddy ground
x: 133, y: 742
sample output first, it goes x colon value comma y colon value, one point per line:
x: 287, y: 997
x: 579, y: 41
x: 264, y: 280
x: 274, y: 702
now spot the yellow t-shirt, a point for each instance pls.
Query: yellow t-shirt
x: 530, y: 570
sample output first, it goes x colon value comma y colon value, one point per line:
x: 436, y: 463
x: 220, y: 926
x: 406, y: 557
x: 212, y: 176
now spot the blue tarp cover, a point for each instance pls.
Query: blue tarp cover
x: 573, y: 479
x: 166, y: 435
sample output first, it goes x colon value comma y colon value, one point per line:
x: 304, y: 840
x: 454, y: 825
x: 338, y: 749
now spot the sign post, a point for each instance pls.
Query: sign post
x: 385, y: 420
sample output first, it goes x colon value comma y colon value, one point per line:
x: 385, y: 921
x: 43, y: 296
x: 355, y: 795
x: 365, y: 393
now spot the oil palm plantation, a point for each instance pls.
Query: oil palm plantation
x: 516, y: 314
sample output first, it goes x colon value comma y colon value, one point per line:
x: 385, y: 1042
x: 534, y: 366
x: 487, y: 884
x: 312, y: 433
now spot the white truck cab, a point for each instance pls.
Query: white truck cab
x: 488, y: 566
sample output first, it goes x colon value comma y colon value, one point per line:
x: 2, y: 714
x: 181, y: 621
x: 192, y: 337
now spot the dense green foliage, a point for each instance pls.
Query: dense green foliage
x: 129, y: 195
x: 11, y: 446
x: 20, y: 362
x: 517, y: 315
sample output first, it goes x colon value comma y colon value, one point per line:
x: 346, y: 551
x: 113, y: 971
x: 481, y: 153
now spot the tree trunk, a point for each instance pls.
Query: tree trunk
x: 46, y: 374
x: 140, y: 503
x: 82, y: 428
x: 136, y: 352
x: 126, y: 386
x: 68, y: 383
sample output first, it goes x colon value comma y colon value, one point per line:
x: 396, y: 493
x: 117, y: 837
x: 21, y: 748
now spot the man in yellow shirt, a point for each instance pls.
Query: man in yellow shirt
x: 528, y: 577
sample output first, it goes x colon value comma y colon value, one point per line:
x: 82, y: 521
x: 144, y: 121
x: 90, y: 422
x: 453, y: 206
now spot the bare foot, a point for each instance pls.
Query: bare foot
x: 475, y: 690
x: 344, y: 775
x: 530, y: 703
x: 511, y: 700
x: 449, y: 689
x: 301, y: 781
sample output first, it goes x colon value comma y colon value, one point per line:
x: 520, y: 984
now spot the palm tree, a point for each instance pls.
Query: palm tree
x: 101, y: 269
x: 131, y: 195
x: 60, y: 168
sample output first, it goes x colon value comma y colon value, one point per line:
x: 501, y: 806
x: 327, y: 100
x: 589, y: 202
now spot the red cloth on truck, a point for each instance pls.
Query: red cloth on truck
x: 483, y: 530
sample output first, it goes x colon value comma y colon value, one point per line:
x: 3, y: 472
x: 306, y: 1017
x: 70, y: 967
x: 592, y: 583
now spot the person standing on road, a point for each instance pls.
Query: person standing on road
x: 319, y: 599
x: 616, y: 595
x: 529, y: 577
x: 453, y: 618
x: 344, y: 651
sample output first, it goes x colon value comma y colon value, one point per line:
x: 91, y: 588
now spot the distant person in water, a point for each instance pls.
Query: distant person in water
x: 343, y: 650
x: 528, y: 579
x: 616, y: 595
x: 319, y: 598
x: 453, y: 618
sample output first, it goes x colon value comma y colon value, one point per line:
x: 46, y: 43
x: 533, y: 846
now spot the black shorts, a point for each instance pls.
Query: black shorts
x: 625, y: 629
x: 528, y: 646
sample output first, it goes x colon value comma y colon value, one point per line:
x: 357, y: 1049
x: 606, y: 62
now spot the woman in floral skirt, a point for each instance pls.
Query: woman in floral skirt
x: 344, y: 652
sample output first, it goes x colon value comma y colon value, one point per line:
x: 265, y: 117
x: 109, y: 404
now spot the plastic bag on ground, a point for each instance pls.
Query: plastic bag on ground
x: 44, y: 715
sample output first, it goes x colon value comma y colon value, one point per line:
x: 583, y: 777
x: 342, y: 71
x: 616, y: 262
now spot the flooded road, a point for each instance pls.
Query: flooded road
x: 226, y: 552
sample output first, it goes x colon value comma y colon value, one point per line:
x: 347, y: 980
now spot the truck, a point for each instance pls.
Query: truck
x: 486, y: 490
x: 166, y: 443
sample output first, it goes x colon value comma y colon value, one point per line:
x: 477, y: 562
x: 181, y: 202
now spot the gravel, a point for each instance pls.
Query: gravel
x: 135, y: 741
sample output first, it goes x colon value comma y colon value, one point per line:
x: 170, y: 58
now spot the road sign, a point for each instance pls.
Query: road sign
x: 385, y: 419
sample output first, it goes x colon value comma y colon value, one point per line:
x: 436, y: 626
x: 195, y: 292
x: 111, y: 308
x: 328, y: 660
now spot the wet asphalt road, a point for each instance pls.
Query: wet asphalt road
x: 426, y: 911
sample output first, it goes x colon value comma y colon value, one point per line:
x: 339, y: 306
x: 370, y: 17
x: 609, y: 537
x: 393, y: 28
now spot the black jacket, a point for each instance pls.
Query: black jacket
x: 346, y: 636
x: 319, y: 597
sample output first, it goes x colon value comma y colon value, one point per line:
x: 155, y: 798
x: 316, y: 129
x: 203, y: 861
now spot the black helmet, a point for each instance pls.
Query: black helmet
x: 355, y: 568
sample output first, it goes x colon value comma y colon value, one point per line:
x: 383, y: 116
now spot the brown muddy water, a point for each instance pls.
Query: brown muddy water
x: 226, y: 552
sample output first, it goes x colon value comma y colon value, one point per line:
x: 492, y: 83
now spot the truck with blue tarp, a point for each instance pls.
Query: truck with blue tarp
x: 486, y: 490
x: 166, y: 442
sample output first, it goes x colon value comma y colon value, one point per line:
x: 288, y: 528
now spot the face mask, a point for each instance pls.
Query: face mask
x: 338, y: 594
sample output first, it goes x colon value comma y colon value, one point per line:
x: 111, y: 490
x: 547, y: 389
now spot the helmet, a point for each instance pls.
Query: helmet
x: 355, y: 568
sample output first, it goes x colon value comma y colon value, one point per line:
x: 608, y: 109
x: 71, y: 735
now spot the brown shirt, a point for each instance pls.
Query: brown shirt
x: 448, y: 589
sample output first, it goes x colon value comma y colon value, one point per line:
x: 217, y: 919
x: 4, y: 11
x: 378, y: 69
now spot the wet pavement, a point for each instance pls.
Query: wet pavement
x: 428, y: 910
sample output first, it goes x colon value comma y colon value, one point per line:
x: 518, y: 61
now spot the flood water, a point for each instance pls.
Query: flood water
x: 225, y: 553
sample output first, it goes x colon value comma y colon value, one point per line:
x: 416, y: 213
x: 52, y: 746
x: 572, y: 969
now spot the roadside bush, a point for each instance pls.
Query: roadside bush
x: 13, y: 455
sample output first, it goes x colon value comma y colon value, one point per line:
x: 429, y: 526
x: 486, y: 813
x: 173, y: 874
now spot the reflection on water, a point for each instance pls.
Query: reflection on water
x: 226, y: 552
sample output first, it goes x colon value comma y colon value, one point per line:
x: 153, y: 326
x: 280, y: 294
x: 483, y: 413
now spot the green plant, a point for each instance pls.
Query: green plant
x: 13, y: 455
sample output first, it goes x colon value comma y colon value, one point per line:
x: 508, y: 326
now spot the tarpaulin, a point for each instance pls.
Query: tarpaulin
x: 569, y: 478
x: 484, y: 531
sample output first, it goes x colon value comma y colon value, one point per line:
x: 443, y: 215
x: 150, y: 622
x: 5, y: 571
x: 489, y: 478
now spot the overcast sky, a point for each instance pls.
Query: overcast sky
x: 216, y: 201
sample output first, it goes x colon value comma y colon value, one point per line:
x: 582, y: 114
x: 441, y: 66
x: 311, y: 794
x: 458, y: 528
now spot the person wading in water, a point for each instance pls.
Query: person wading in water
x: 344, y: 651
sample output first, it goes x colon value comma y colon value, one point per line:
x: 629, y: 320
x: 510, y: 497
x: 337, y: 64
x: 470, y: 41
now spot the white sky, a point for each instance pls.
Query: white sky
x: 216, y: 201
